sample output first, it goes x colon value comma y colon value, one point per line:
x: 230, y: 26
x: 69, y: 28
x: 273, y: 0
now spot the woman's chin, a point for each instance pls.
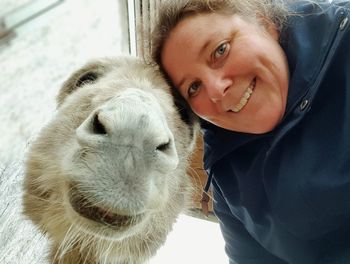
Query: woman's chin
x: 260, y: 123
x: 266, y: 123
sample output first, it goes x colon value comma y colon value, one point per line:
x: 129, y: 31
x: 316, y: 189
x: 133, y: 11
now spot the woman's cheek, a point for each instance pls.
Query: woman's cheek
x: 198, y: 106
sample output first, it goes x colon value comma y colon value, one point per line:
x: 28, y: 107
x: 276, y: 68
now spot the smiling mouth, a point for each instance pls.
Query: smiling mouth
x: 245, y: 98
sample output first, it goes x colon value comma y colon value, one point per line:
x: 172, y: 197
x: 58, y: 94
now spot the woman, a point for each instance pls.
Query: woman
x: 271, y: 84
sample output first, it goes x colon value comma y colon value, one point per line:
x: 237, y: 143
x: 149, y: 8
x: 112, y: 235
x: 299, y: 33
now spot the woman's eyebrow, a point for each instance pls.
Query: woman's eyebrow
x: 203, y: 48
x: 181, y: 83
x: 213, y: 37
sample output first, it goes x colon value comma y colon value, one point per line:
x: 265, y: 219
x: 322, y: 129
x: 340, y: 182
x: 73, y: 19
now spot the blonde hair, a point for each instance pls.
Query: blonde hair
x: 172, y: 12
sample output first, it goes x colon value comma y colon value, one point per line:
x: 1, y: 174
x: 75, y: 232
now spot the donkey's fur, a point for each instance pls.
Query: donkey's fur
x: 106, y: 178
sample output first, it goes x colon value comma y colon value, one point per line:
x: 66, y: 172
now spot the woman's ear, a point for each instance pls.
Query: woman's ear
x: 270, y: 27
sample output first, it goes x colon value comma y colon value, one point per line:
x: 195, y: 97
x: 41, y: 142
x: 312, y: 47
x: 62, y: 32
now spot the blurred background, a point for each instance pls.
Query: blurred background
x: 41, y: 43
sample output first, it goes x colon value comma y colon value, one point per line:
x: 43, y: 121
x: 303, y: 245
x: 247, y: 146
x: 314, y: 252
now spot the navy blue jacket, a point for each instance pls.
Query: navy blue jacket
x: 284, y: 196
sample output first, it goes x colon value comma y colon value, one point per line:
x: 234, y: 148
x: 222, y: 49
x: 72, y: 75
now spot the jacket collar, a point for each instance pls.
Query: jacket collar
x: 306, y: 40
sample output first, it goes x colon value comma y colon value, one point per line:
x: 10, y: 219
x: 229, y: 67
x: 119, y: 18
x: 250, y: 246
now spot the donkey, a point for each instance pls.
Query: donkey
x: 106, y: 178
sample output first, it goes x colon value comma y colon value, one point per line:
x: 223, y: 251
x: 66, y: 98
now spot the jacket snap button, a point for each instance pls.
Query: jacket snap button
x: 304, y: 104
x: 343, y: 23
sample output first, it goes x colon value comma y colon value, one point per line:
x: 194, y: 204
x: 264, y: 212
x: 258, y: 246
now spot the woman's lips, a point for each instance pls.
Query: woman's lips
x: 245, y: 98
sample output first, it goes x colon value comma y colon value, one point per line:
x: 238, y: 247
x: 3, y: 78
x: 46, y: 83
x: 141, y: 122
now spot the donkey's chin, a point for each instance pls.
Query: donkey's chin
x: 102, y: 217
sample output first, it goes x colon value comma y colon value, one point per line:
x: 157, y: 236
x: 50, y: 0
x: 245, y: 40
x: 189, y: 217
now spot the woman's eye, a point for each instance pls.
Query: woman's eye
x: 221, y: 50
x: 193, y: 89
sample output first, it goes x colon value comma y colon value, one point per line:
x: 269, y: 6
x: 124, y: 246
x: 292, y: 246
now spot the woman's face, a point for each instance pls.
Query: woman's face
x: 233, y: 73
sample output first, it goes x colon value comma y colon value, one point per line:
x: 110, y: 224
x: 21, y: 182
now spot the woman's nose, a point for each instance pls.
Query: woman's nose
x: 217, y: 87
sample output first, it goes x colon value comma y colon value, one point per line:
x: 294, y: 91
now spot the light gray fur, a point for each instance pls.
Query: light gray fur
x: 124, y: 168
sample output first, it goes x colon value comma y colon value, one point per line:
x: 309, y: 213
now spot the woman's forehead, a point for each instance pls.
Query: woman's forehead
x: 201, y: 25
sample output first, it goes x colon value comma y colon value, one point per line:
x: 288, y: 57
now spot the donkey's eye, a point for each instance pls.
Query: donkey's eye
x: 88, y: 77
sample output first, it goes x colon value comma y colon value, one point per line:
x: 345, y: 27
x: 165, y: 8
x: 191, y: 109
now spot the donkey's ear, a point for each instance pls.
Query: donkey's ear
x: 90, y: 73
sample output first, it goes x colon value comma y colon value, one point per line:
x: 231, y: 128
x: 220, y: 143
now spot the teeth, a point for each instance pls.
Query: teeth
x: 245, y: 98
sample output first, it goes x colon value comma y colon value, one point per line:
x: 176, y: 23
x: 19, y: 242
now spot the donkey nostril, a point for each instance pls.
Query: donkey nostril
x: 98, y: 127
x: 163, y: 146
